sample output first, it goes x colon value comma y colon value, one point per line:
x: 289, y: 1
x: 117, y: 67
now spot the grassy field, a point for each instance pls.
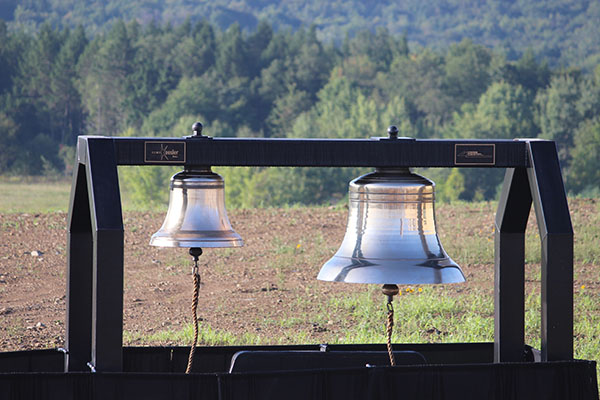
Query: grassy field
x: 424, y: 314
x: 36, y: 195
x: 33, y: 197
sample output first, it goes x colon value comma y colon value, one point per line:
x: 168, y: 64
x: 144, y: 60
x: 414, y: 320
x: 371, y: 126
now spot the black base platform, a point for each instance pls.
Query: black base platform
x: 453, y: 371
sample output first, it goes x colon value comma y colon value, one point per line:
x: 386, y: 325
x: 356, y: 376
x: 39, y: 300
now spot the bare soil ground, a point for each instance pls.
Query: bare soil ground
x: 242, y: 288
x: 238, y: 285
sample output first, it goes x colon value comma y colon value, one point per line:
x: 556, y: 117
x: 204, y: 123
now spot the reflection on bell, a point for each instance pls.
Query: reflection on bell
x: 196, y: 215
x: 391, y: 234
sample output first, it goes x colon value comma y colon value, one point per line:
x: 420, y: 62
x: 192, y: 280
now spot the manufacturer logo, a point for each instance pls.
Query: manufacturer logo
x: 475, y: 154
x: 164, y: 152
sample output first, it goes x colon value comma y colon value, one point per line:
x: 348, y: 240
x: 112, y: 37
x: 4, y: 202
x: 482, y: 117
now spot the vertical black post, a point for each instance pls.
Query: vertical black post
x: 107, y: 274
x: 556, y: 234
x: 509, y: 267
x: 78, y: 340
x: 94, y: 329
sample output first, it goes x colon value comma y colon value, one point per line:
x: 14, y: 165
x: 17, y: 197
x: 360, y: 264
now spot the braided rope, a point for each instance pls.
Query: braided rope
x: 390, y: 327
x: 194, y: 316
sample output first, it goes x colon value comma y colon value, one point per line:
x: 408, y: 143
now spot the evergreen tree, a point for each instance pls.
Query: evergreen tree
x: 192, y: 96
x: 420, y: 78
x: 194, y: 54
x: 66, y: 109
x: 379, y: 47
x: 232, y: 56
x: 311, y: 64
x: 504, y: 111
x: 37, y: 64
x: 583, y: 174
x: 530, y: 74
x: 467, y: 76
x: 286, y: 109
x: 148, y: 84
x: 104, y: 84
x: 257, y: 44
x: 588, y: 104
x: 558, y: 115
x: 9, y: 58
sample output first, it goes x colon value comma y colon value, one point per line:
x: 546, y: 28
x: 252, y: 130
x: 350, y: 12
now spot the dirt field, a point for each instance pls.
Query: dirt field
x: 273, y: 277
x: 238, y: 284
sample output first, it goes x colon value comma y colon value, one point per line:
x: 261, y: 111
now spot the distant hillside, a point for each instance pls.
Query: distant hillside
x: 566, y: 32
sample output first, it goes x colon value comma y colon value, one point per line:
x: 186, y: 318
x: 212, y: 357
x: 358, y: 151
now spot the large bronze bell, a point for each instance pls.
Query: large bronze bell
x: 391, y: 235
x: 196, y: 216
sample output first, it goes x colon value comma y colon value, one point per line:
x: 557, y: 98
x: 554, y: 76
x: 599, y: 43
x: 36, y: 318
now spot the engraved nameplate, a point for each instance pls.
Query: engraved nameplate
x: 475, y: 154
x: 164, y: 152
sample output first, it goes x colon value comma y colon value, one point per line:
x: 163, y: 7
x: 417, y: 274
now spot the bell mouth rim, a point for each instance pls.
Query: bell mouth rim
x: 400, y: 260
x: 388, y: 282
x: 196, y: 243
x: 392, y: 281
x: 195, y: 239
x: 434, y: 271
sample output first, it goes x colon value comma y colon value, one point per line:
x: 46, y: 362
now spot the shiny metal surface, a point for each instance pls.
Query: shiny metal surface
x: 196, y: 216
x: 391, y: 235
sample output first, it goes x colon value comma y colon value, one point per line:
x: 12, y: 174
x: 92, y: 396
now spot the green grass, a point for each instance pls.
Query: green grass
x: 206, y: 336
x: 475, y: 222
x: 39, y: 196
x: 587, y: 326
x: 422, y: 315
x: 34, y: 197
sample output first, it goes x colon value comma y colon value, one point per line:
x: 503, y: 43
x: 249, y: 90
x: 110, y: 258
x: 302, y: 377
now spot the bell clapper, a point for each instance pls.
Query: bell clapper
x: 390, y: 291
x: 195, y: 252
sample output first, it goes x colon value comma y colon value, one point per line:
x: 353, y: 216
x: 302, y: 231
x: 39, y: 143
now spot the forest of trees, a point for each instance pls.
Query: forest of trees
x: 157, y: 79
x: 565, y: 31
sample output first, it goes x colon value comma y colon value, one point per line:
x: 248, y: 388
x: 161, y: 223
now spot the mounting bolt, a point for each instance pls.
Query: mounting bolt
x: 197, y: 132
x: 393, y: 132
x: 197, y: 129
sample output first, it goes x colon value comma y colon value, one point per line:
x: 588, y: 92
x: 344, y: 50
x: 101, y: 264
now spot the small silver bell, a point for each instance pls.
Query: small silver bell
x: 196, y: 216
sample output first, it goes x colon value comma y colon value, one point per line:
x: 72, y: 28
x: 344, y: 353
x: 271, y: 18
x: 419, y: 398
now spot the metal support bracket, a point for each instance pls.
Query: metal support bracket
x: 542, y: 185
x: 95, y: 262
x: 94, y: 328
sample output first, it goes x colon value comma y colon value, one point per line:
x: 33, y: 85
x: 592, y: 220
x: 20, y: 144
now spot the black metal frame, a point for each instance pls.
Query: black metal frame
x: 95, y: 239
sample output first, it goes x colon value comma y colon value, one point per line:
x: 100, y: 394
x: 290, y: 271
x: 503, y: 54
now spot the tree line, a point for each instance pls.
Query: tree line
x: 562, y: 30
x: 156, y: 80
